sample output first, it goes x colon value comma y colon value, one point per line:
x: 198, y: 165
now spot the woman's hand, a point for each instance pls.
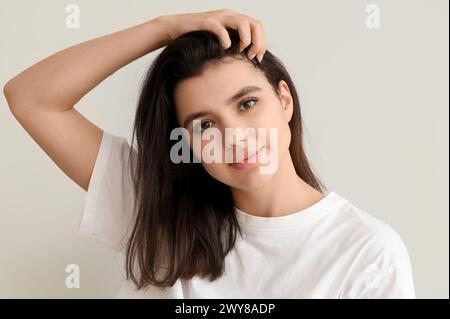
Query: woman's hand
x: 250, y: 30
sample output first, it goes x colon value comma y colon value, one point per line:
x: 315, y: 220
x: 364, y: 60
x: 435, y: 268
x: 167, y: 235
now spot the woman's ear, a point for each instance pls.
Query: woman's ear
x: 286, y: 99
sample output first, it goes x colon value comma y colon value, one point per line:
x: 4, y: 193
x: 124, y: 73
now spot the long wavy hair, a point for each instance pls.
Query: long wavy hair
x: 185, y: 222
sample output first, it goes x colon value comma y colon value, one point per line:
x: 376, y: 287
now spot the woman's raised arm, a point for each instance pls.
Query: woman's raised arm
x: 43, y: 96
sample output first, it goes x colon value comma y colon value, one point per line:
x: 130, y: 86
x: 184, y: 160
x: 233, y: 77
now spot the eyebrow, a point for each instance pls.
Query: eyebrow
x: 242, y: 92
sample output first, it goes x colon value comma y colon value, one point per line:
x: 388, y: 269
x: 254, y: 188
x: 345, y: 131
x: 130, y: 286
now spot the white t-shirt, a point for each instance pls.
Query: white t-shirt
x: 331, y: 249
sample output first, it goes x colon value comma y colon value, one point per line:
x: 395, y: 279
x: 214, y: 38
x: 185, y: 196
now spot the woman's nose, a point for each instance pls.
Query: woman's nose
x: 240, y: 141
x: 236, y: 136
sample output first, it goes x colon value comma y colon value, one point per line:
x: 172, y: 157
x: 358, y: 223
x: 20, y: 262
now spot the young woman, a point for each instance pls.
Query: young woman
x: 209, y: 229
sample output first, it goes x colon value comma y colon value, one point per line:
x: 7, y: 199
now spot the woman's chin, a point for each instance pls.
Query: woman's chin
x: 250, y: 179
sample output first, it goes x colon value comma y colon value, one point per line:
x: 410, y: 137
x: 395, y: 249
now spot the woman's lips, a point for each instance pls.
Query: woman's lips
x: 247, y: 162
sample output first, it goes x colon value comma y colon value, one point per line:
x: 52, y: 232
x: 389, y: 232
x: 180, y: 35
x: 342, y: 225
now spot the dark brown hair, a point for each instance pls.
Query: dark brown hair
x: 185, y: 222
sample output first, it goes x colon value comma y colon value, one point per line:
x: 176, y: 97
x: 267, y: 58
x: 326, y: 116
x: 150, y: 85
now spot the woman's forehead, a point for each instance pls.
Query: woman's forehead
x: 219, y: 82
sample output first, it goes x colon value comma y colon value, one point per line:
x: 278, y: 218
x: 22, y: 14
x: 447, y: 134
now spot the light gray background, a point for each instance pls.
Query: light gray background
x: 375, y: 104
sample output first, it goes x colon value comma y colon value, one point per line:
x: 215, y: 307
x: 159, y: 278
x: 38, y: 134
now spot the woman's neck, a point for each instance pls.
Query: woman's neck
x: 283, y: 194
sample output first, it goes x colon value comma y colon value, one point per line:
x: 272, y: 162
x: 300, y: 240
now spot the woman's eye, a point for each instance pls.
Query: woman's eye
x: 247, y: 105
x: 205, y: 125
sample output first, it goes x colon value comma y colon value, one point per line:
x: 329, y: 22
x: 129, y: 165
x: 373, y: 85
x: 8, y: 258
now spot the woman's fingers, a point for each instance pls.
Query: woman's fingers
x: 258, y: 47
x: 245, y: 34
x: 219, y: 30
x: 250, y: 33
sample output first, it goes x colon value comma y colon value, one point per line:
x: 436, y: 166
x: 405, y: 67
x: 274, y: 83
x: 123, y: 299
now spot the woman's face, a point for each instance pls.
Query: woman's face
x: 258, y: 110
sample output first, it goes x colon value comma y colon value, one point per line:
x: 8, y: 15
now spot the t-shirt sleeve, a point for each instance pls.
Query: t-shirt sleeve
x: 382, y: 270
x: 108, y: 210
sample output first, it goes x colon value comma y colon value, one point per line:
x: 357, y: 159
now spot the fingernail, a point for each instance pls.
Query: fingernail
x: 252, y: 56
x: 260, y: 57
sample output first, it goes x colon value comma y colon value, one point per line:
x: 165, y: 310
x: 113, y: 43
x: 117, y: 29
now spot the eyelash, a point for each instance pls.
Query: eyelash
x: 254, y: 99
